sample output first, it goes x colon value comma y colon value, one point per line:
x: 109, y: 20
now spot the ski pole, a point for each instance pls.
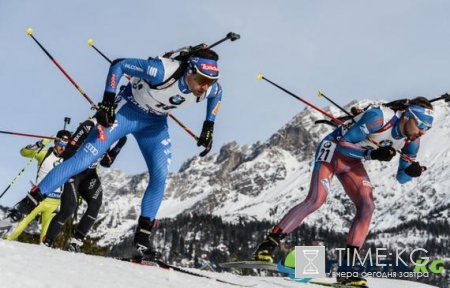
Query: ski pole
x: 91, y: 43
x: 445, y: 97
x: 23, y: 169
x: 30, y: 33
x: 189, y: 50
x: 404, y: 102
x: 320, y: 94
x: 66, y: 122
x: 18, y: 175
x: 29, y: 135
x: 231, y: 35
x: 261, y: 77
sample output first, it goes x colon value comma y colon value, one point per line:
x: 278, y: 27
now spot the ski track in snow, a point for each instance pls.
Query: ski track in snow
x: 28, y: 265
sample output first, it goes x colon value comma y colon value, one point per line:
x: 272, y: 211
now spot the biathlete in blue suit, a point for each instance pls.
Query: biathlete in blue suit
x: 141, y: 109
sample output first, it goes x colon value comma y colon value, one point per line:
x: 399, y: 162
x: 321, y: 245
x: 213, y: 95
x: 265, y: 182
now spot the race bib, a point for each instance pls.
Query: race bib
x: 326, y: 151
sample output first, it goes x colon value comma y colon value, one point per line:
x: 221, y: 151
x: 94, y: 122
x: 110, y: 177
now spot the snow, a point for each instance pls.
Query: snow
x: 29, y: 265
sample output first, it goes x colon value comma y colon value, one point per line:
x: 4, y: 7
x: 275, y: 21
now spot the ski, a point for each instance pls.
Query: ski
x: 250, y: 264
x: 328, y: 284
x: 291, y: 272
x: 164, y: 265
x: 324, y: 283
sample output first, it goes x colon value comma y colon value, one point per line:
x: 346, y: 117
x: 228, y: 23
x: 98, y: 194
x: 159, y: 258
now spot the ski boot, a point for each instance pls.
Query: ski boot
x: 14, y: 216
x: 264, y: 251
x: 144, y: 251
x: 351, y: 281
x: 75, y: 245
x: 48, y: 242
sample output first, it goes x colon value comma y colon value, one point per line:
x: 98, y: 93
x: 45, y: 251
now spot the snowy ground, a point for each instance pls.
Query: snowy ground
x: 25, y: 265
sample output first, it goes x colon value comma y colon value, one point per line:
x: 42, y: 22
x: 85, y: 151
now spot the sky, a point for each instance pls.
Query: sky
x: 348, y: 49
x: 69, y: 270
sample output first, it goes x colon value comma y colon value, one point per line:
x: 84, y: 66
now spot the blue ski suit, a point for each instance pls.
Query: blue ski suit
x: 142, y: 112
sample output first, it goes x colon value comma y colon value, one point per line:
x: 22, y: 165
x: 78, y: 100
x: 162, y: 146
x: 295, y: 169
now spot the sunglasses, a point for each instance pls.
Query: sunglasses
x: 62, y: 142
x: 420, y: 124
x: 202, y: 78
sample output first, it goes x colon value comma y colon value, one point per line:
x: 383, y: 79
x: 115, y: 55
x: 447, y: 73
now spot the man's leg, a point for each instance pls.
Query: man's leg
x: 318, y: 192
x: 357, y: 185
x: 69, y: 198
x: 24, y: 223
x: 91, y: 191
x: 47, y: 215
x: 156, y: 148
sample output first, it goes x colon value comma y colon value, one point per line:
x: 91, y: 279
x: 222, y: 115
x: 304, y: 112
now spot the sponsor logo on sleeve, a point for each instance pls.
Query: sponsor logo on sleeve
x: 112, y: 81
x: 101, y: 135
x: 152, y: 71
x: 134, y: 67
x: 216, y: 109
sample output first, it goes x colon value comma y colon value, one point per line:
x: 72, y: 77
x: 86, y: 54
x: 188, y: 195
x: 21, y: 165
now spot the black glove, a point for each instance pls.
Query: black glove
x: 206, y: 136
x: 34, y: 197
x: 106, y: 113
x: 107, y: 160
x: 380, y: 154
x: 121, y: 142
x: 414, y: 170
x: 110, y: 156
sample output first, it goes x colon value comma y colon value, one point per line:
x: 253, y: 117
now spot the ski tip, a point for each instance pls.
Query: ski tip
x: 29, y: 31
x: 259, y: 76
x: 90, y: 42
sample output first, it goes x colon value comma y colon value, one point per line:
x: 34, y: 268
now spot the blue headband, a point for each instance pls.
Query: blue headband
x: 424, y: 114
x: 207, y: 67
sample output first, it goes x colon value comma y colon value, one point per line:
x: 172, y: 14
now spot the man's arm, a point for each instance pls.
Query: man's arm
x: 35, y: 150
x: 371, y: 121
x: 212, y: 108
x: 214, y: 102
x: 410, y: 149
x: 150, y: 70
x: 77, y: 138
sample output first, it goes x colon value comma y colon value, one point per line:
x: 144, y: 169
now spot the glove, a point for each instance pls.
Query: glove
x: 34, y: 197
x: 111, y: 155
x: 43, y: 143
x: 106, y: 113
x: 380, y: 154
x: 414, y: 170
x: 206, y: 136
x: 121, y: 142
x: 107, y: 160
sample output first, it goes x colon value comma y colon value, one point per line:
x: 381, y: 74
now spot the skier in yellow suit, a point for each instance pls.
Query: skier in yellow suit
x: 47, y: 159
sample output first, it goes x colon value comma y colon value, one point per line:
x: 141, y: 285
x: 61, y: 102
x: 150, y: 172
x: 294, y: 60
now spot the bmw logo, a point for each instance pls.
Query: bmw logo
x: 177, y: 99
x: 386, y: 143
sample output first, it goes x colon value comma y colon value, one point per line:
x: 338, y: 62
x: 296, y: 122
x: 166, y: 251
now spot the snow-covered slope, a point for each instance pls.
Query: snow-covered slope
x: 33, y: 266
